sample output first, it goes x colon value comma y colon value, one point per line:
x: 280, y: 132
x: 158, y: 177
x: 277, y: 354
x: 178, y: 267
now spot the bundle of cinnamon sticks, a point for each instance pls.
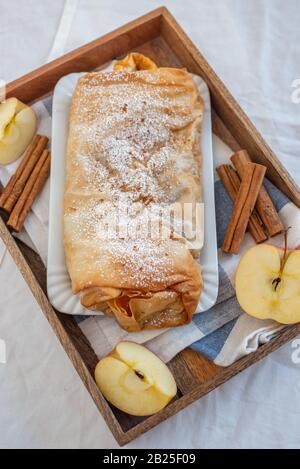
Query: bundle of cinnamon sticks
x: 26, y: 183
x: 253, y: 207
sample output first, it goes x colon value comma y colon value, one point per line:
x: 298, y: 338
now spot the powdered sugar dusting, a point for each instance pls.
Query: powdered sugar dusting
x: 127, y: 133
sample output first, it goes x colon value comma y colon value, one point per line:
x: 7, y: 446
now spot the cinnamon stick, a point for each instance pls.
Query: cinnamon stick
x: 232, y: 182
x: 32, y: 188
x: 6, y: 192
x: 251, y: 183
x: 264, y: 204
x: 17, y: 182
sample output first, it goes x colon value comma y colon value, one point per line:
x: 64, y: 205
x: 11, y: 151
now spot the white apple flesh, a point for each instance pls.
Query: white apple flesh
x: 7, y: 112
x: 135, y: 380
x: 266, y: 291
x: 17, y: 128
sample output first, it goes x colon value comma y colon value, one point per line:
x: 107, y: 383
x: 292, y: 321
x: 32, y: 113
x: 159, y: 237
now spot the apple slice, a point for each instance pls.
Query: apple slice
x: 20, y: 105
x: 17, y: 127
x: 135, y: 380
x: 7, y: 112
x: 268, y: 283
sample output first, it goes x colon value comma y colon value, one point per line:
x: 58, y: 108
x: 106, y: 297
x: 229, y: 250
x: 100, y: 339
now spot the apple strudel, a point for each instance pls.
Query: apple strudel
x: 133, y: 154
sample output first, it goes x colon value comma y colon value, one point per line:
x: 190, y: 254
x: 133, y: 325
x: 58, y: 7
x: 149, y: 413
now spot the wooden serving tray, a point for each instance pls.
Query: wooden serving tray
x: 158, y: 36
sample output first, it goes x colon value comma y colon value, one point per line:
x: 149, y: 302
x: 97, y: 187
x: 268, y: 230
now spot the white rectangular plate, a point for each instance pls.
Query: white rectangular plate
x: 58, y: 281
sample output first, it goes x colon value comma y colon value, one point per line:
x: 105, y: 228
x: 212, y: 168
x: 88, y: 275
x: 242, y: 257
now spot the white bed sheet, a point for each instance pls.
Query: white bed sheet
x: 255, y: 48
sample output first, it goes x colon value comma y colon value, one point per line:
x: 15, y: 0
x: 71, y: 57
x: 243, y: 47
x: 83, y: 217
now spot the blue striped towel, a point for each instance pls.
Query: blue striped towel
x: 224, y: 333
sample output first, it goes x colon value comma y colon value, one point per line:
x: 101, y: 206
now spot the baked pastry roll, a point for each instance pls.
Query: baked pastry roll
x: 133, y: 154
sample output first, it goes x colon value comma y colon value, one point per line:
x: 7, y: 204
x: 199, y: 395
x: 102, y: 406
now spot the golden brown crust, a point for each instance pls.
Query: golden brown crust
x: 135, y: 61
x: 134, y: 142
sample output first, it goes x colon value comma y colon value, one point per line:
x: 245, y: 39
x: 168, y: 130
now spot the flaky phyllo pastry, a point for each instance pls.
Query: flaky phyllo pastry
x: 133, y: 149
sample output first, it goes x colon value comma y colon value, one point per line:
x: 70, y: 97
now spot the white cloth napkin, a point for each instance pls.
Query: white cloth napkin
x: 35, y: 232
x: 103, y: 333
x: 2, y: 250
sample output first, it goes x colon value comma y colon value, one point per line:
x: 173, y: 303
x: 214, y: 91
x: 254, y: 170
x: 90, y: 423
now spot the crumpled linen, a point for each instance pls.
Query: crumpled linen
x: 253, y: 46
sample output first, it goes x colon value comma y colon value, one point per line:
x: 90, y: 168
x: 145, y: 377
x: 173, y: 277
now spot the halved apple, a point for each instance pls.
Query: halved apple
x: 7, y: 112
x: 135, y: 380
x: 268, y: 283
x: 17, y: 127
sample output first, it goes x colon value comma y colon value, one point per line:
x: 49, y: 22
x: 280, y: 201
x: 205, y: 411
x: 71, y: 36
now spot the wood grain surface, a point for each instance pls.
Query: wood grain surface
x: 226, y: 107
